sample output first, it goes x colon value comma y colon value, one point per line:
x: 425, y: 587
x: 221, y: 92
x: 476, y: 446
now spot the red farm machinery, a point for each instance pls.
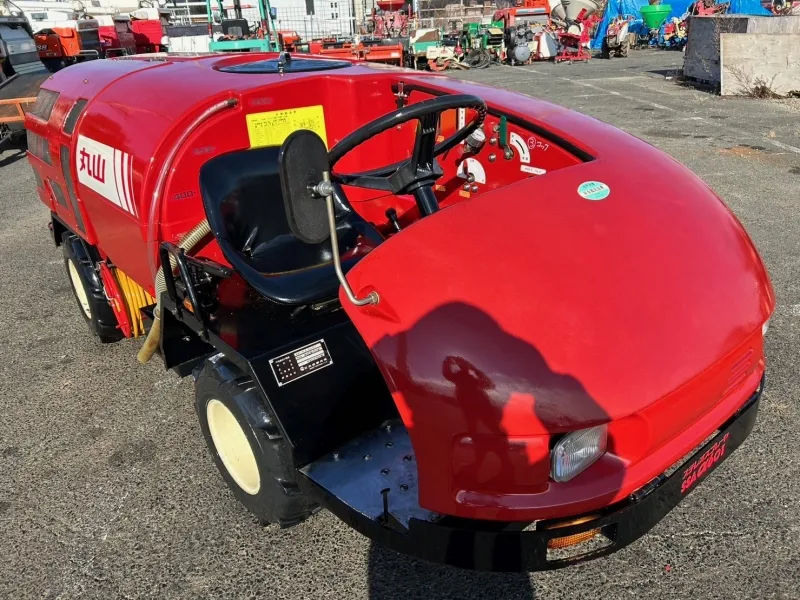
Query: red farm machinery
x: 149, y: 29
x: 383, y: 40
x: 66, y: 39
x: 116, y: 36
x: 439, y: 310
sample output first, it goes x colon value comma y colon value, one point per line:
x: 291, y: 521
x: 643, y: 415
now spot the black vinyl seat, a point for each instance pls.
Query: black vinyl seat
x: 236, y: 28
x: 244, y: 205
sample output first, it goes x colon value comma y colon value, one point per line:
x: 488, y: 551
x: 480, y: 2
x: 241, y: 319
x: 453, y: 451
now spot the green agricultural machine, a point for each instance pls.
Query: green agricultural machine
x: 483, y: 43
x: 420, y: 41
x: 243, y: 31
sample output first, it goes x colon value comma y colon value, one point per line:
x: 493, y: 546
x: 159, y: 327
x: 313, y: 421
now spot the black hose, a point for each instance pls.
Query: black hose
x: 478, y: 59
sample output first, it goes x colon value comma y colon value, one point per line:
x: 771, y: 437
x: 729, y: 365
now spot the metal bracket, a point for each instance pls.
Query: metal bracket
x: 325, y: 188
x: 400, y: 96
x: 170, y: 253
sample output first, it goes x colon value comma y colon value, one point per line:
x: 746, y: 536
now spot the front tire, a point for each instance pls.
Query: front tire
x: 247, y: 445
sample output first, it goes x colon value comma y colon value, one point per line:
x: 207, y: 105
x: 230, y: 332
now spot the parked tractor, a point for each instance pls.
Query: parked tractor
x: 617, y: 41
x: 63, y: 40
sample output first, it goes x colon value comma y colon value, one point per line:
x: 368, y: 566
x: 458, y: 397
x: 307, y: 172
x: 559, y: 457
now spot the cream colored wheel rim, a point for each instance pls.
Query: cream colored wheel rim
x: 80, y: 291
x: 232, y: 446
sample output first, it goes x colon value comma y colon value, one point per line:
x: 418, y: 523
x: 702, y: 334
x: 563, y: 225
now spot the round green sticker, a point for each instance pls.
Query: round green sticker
x: 593, y: 190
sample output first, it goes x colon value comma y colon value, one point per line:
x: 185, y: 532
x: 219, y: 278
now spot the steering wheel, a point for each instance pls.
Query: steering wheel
x: 417, y: 174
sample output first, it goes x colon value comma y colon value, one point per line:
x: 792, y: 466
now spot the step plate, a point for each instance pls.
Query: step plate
x: 360, y: 470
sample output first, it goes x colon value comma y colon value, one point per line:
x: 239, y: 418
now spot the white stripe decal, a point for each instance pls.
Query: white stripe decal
x: 117, y: 157
x: 118, y: 199
x: 122, y: 164
x: 130, y: 185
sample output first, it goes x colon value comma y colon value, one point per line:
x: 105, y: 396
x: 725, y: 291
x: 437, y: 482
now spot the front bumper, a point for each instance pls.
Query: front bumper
x: 503, y: 546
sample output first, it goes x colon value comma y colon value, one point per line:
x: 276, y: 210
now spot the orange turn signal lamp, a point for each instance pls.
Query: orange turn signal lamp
x: 558, y: 543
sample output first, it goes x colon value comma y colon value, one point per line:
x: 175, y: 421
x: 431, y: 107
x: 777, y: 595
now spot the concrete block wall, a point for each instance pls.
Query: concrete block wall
x: 702, y: 56
x: 748, y: 60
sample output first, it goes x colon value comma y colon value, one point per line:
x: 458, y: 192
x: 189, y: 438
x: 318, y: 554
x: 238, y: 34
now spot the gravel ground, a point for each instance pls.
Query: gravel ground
x: 107, y: 491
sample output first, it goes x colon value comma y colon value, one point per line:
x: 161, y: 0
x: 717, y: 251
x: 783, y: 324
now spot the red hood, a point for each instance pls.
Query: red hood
x: 531, y: 310
x: 624, y: 299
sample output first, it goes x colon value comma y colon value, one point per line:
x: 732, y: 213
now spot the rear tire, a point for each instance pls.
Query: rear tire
x: 247, y: 445
x: 53, y: 64
x: 88, y: 291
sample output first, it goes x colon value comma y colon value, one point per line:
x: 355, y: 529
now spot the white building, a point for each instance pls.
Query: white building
x: 309, y: 18
x: 329, y: 18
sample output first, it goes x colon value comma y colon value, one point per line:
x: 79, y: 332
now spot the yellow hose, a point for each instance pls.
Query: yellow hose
x: 134, y: 298
x: 188, y: 242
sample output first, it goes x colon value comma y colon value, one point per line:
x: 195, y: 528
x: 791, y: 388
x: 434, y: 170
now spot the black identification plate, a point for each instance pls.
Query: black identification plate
x: 299, y: 363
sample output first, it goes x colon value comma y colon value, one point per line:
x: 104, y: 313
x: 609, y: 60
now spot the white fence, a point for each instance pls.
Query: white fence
x: 327, y: 18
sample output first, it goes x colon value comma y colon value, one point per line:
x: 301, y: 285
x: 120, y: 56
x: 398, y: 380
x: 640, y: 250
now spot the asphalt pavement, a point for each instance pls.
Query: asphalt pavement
x: 107, y: 490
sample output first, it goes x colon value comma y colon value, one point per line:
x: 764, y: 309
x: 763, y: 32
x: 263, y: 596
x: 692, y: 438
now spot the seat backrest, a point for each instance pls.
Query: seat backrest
x: 244, y: 205
x: 237, y: 28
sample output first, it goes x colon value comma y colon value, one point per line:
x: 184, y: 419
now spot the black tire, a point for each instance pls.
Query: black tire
x: 53, y: 64
x: 87, y: 288
x: 8, y: 70
x: 277, y: 498
x: 605, y: 52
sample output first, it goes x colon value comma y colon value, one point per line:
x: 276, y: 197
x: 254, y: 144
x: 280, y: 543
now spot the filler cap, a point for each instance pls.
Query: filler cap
x: 295, y: 65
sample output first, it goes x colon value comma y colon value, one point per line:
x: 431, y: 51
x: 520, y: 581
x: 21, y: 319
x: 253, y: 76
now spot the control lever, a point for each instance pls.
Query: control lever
x: 324, y: 189
x: 391, y: 214
x: 400, y: 96
x: 502, y: 130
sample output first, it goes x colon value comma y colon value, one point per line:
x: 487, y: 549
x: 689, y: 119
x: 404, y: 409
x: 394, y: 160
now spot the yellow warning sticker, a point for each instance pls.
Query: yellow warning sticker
x: 273, y: 127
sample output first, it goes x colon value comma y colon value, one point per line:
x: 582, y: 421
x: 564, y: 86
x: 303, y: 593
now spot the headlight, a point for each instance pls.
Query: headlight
x: 576, y: 451
x: 765, y: 328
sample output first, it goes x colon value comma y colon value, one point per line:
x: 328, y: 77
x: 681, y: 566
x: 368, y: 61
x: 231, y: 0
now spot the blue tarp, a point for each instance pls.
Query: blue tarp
x: 624, y: 8
x: 747, y: 7
x: 679, y: 7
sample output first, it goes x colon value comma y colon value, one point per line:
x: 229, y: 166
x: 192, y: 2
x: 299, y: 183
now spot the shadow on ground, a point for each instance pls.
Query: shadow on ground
x: 667, y: 73
x: 394, y: 576
x: 17, y: 154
